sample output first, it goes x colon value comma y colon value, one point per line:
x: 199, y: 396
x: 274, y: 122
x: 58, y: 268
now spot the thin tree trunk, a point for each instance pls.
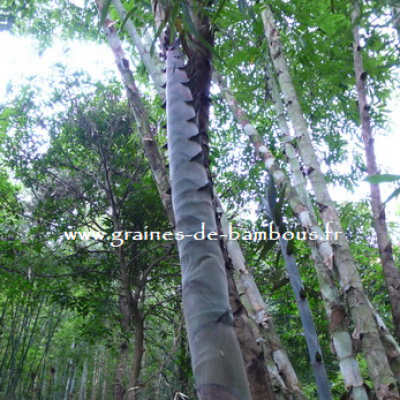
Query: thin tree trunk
x: 105, y: 371
x: 54, y: 375
x: 300, y: 293
x: 137, y: 357
x: 95, y: 370
x: 104, y: 389
x: 70, y: 377
x: 82, y: 392
x: 125, y: 307
x: 396, y: 19
x: 96, y: 374
x: 34, y: 386
x: 392, y: 274
x: 72, y: 384
x: 120, y: 370
x: 132, y: 313
x: 184, y: 359
x: 52, y: 327
x: 4, y: 355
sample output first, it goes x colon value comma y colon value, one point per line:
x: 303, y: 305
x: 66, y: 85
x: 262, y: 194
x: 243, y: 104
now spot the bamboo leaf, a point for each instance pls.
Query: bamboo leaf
x: 278, y: 257
x: 265, y: 247
x: 376, y: 179
x: 393, y: 195
x: 267, y: 208
x: 220, y: 8
x: 127, y: 17
x: 104, y: 11
x: 157, y: 35
x: 290, y: 247
x: 193, y: 30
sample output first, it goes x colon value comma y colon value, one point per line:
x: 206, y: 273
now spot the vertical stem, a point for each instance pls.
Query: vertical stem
x: 307, y: 321
x: 120, y: 369
x: 391, y: 272
x: 105, y: 371
x: 82, y: 392
x: 396, y: 19
x: 95, y: 375
x: 138, y: 322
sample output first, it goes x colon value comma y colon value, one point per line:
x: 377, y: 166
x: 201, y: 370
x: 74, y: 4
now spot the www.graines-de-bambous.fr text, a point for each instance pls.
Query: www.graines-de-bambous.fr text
x: 118, y: 238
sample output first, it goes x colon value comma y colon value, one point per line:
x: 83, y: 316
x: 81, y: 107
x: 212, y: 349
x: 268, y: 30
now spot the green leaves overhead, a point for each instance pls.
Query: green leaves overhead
x: 273, y: 208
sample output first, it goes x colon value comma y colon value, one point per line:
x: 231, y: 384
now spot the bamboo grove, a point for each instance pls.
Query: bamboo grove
x: 223, y: 120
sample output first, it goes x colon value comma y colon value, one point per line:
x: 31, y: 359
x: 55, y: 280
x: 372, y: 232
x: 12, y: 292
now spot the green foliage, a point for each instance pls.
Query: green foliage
x: 383, y: 178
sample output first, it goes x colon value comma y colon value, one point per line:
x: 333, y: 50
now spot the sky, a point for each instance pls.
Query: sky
x: 21, y: 60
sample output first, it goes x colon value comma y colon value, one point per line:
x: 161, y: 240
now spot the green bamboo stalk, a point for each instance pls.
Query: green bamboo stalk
x: 82, y: 392
x: 33, y: 335
x: 300, y: 293
x: 16, y: 346
x: 9, y: 349
x: 52, y: 328
x: 3, y: 360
